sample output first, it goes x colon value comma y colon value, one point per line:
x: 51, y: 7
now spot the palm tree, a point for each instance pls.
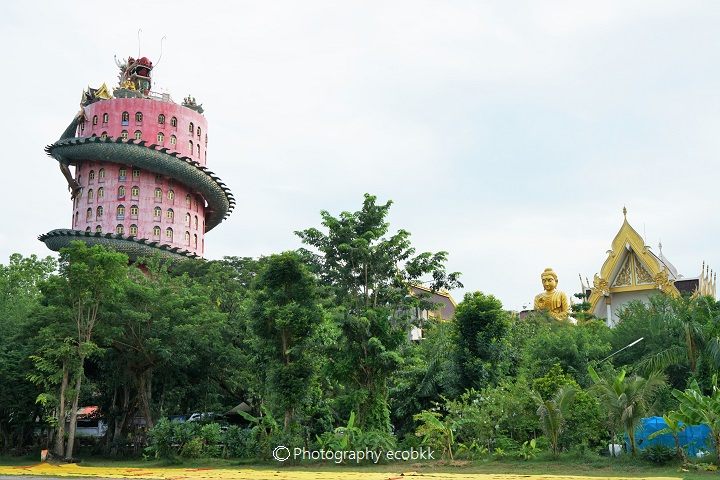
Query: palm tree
x: 552, y: 414
x: 626, y: 399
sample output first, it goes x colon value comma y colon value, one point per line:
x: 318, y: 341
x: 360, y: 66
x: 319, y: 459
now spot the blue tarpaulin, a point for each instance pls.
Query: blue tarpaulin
x: 693, y: 438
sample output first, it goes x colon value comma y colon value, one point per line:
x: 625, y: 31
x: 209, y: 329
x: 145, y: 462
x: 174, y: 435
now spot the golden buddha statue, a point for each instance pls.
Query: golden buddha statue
x: 551, y: 300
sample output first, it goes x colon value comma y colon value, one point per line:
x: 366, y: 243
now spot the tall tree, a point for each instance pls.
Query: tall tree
x: 370, y: 275
x: 90, y: 278
x: 285, y: 313
x: 482, y: 326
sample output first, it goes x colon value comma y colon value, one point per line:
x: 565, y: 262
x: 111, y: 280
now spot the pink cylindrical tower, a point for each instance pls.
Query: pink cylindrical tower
x: 140, y: 183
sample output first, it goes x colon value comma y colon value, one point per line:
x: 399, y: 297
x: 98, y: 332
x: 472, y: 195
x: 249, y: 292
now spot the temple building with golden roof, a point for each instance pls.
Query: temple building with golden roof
x: 632, y: 271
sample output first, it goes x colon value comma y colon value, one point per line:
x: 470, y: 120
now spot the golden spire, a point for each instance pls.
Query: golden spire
x: 625, y: 212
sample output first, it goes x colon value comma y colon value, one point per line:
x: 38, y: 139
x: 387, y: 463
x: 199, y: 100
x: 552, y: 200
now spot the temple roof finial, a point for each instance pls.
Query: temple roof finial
x: 625, y: 212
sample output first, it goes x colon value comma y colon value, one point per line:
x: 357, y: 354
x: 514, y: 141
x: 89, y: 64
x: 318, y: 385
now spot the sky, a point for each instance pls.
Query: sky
x: 510, y: 134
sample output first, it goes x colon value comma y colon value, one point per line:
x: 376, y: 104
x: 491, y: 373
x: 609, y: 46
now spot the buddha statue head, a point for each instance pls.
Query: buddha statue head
x: 549, y: 280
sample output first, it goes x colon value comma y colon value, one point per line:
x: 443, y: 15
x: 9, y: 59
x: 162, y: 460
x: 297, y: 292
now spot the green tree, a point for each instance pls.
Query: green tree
x: 626, y: 399
x: 482, y: 327
x: 696, y: 408
x: 674, y: 427
x: 90, y: 278
x: 285, y: 314
x: 552, y: 412
x: 370, y: 276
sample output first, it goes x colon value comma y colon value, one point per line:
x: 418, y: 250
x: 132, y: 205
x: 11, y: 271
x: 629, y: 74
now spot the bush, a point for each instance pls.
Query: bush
x: 658, y: 454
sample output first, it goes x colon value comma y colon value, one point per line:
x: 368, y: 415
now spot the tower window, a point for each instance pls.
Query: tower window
x: 195, y: 240
x: 91, y: 175
x: 191, y: 128
x: 157, y: 213
x: 95, y: 120
x: 161, y: 119
x: 198, y: 150
x: 160, y: 137
x: 124, y: 134
x: 171, y: 194
x: 98, y: 229
x: 136, y: 173
x: 199, y: 133
x: 82, y: 129
x: 77, y: 214
x: 196, y: 222
x: 187, y: 238
x: 187, y: 219
x: 100, y: 193
x: 99, y: 213
x: 190, y: 147
x: 158, y: 195
x: 173, y: 139
x: 138, y: 135
x: 101, y: 174
x: 133, y: 230
x: 138, y: 117
x: 119, y: 229
x: 88, y: 215
x: 87, y: 229
x: 170, y: 214
x: 122, y: 174
x: 135, y: 191
x: 134, y: 211
x: 188, y: 199
x: 156, y: 231
x: 125, y: 119
x: 104, y: 135
x: 121, y: 212
x: 90, y: 195
x: 173, y: 122
x: 106, y: 118
x: 121, y: 192
x: 169, y: 234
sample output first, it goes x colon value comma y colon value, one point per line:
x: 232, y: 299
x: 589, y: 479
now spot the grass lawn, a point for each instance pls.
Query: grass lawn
x: 214, y: 469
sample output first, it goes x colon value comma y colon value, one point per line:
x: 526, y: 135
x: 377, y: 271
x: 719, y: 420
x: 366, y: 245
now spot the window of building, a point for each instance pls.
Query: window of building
x: 158, y: 195
x: 87, y: 229
x: 104, y: 135
x: 157, y: 213
x: 95, y: 120
x: 188, y: 200
x: 125, y: 118
x: 99, y: 213
x: 82, y: 129
x: 191, y: 128
x: 196, y: 222
x: 134, y: 211
x: 133, y: 230
x: 88, y: 215
x: 173, y: 122
x: 121, y: 192
x: 101, y: 174
x: 199, y: 134
x: 120, y: 212
x: 106, y: 118
x: 77, y: 214
x: 135, y: 191
x: 119, y: 229
x: 170, y: 214
x: 91, y: 175
x: 169, y: 234
x: 161, y: 119
x: 100, y: 193
x: 171, y: 194
x: 187, y: 238
x: 158, y: 178
x: 136, y: 173
x: 198, y: 150
x: 187, y: 219
x: 206, y: 139
x: 156, y: 231
x: 122, y: 174
x: 138, y: 117
x: 190, y: 147
x: 138, y: 135
x: 195, y: 240
x: 124, y: 134
x: 90, y: 196
x: 173, y: 140
x: 98, y: 229
x: 160, y: 137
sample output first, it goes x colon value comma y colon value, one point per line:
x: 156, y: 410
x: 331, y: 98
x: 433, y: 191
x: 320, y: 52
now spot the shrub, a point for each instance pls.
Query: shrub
x: 659, y: 454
